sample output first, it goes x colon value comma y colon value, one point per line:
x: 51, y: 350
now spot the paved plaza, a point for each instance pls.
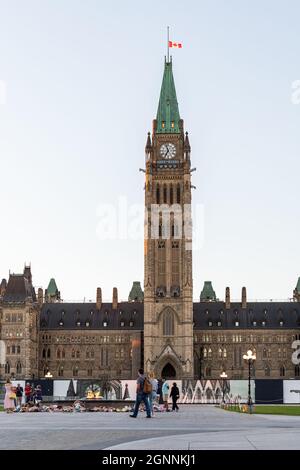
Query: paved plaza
x: 194, y: 427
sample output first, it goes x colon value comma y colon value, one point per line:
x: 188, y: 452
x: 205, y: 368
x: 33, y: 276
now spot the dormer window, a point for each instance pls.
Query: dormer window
x: 105, y: 324
x: 87, y: 323
x: 62, y: 313
x: 236, y: 323
x: 210, y: 323
x: 92, y: 312
x: 263, y: 323
x: 254, y: 323
x: 131, y: 323
x: 61, y: 323
x: 172, y: 124
x: 122, y: 323
x: 163, y: 124
x: 78, y: 323
x: 219, y: 323
x: 281, y: 323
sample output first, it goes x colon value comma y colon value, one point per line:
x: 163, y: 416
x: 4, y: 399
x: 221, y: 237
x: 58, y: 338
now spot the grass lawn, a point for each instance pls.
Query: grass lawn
x: 1, y: 407
x: 288, y: 410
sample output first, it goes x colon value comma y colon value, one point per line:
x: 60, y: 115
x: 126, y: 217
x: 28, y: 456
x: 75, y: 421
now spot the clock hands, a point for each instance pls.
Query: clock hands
x: 167, y: 152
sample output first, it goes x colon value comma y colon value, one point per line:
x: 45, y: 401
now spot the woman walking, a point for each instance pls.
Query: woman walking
x: 9, y: 399
x: 174, y: 395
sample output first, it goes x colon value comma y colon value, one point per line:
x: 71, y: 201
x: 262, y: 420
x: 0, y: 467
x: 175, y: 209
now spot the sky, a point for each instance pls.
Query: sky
x: 79, y: 87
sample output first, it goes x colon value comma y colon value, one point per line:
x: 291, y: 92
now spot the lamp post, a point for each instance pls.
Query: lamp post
x: 250, y: 358
x: 48, y: 375
x: 223, y: 376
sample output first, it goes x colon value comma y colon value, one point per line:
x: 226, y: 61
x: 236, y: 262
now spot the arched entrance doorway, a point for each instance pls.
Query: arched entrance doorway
x: 168, y: 372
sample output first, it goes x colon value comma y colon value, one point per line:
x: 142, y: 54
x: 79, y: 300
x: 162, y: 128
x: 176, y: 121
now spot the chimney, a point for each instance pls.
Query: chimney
x: 98, y: 298
x: 244, y: 297
x: 3, y: 287
x: 227, y: 297
x: 115, y: 298
x: 40, y: 296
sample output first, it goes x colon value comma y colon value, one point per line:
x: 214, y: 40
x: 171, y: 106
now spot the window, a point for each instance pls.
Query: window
x: 75, y: 371
x: 48, y: 353
x: 77, y: 354
x: 254, y: 323
x: 220, y: 353
x: 61, y: 323
x: 178, y: 194
x: 208, y: 372
x: 267, y: 371
x: 264, y: 354
x: 58, y: 354
x: 157, y: 194
x: 210, y: 323
x: 209, y: 352
x: 236, y: 323
x: 7, y: 368
x: 263, y: 323
x: 87, y: 323
x: 168, y: 324
x: 204, y: 352
x: 13, y: 349
x: 224, y: 353
x: 282, y: 371
x: 297, y: 371
x: 19, y: 368
x: 131, y: 323
x: 44, y: 354
x: 73, y: 354
x: 281, y: 323
x: 105, y: 324
x: 219, y: 323
x: 60, y: 371
x: 78, y: 323
x: 163, y: 124
x: 122, y: 323
x: 90, y: 372
x: 172, y: 124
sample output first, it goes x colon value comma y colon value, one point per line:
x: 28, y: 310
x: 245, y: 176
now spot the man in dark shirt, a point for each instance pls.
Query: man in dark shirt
x: 141, y: 395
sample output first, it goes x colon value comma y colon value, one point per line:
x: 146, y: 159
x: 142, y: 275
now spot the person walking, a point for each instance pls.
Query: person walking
x: 153, y: 394
x: 174, y: 395
x: 9, y: 399
x: 141, y: 396
x: 165, y: 394
x: 19, y: 395
x: 38, y: 395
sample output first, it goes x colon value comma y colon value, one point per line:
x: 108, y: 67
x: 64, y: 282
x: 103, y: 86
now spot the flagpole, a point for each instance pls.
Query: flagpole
x: 168, y: 28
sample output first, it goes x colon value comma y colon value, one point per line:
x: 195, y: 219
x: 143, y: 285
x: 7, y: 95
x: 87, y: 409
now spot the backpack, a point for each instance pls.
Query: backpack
x: 147, y: 387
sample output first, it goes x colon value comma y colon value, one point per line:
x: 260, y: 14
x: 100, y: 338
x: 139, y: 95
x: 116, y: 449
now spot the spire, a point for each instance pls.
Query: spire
x: 52, y: 293
x: 168, y: 113
x: 148, y: 143
x: 187, y: 147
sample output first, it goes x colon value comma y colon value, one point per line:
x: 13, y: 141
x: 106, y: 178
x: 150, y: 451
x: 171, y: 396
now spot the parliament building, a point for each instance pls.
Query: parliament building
x: 160, y: 327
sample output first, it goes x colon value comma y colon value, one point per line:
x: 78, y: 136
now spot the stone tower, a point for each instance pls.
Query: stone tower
x: 168, y: 283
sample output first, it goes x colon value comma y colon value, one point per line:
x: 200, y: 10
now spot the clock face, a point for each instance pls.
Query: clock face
x: 168, y: 151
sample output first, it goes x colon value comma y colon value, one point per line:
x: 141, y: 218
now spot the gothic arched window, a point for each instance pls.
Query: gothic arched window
x: 7, y: 368
x: 171, y: 194
x: 157, y: 194
x: 48, y: 354
x: 282, y: 371
x: 168, y: 324
x: 19, y: 368
x: 178, y: 194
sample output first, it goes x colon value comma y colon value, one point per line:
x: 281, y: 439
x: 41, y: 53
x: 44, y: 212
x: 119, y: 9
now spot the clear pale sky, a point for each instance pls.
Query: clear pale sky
x: 82, y: 87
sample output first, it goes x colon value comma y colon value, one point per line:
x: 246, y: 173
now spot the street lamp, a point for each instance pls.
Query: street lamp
x: 48, y: 375
x: 223, y: 376
x: 250, y: 358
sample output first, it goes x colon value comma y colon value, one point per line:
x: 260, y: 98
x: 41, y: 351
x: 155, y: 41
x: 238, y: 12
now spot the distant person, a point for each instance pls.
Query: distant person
x: 38, y: 395
x: 165, y: 393
x: 27, y: 392
x: 9, y: 399
x: 19, y: 395
x: 174, y: 395
x: 153, y: 394
x: 141, y: 395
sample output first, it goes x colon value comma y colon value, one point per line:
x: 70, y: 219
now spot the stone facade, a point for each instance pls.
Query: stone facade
x: 161, y: 328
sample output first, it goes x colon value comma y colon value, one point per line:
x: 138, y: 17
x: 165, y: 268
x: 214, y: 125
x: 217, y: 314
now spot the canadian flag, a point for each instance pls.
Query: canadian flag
x: 175, y: 44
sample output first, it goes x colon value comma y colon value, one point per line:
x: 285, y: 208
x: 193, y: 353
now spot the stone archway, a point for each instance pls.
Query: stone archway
x: 168, y: 372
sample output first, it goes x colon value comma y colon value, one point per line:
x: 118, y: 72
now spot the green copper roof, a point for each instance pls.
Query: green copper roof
x: 298, y: 285
x: 207, y: 294
x: 52, y: 288
x: 168, y: 113
x: 136, y: 293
